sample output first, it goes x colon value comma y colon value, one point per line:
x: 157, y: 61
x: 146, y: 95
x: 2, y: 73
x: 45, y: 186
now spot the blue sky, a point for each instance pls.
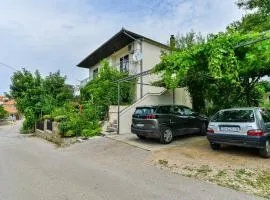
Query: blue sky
x: 57, y: 35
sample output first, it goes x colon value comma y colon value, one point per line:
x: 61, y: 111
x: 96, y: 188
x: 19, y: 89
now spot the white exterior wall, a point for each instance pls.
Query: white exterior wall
x: 182, y: 98
x: 151, y: 57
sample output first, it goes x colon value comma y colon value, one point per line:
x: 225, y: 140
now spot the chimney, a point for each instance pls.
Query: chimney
x: 172, y: 42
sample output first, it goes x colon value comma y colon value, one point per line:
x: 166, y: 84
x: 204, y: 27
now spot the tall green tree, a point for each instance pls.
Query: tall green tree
x: 193, y: 83
x: 188, y: 40
x: 229, y: 74
x: 36, y: 96
x: 258, y: 19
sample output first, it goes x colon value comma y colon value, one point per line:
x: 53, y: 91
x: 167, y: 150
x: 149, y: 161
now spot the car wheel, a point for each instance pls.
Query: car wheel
x: 203, y: 129
x: 166, y: 136
x: 141, y: 136
x: 215, y: 146
x: 265, y: 151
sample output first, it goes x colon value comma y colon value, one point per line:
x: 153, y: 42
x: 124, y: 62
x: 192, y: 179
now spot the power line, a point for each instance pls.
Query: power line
x: 8, y: 66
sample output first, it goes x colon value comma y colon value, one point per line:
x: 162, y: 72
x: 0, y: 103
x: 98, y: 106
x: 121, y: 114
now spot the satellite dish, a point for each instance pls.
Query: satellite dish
x: 138, y: 56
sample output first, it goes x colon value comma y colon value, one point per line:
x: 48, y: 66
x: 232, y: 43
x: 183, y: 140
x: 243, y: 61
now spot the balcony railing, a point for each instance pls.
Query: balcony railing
x: 84, y: 82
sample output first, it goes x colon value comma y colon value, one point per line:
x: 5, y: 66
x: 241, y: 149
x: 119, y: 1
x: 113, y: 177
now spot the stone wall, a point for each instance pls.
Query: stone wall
x: 53, y: 136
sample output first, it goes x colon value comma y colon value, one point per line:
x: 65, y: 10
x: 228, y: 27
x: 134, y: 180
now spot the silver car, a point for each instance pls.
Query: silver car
x: 247, y: 127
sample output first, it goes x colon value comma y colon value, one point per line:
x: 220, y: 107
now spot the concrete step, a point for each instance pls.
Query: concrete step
x: 114, y: 125
x: 111, y: 129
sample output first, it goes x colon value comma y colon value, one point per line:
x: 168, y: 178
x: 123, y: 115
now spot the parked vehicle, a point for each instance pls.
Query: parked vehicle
x: 247, y: 127
x: 166, y: 121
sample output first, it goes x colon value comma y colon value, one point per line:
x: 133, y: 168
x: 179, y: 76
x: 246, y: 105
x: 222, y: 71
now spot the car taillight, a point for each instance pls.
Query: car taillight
x: 257, y: 132
x: 151, y: 116
x: 210, y: 131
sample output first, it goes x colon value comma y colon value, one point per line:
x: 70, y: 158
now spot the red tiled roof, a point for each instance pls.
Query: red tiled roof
x: 10, y: 102
x: 11, y: 110
x: 10, y: 106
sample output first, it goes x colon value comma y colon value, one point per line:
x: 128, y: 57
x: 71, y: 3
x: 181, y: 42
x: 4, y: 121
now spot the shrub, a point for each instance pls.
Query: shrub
x: 29, y: 122
x: 103, y: 89
x: 46, y: 117
x: 91, y: 132
x: 3, y: 112
x: 69, y: 133
x: 60, y: 118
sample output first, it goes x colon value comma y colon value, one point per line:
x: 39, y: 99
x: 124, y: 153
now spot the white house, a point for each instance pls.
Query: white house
x: 134, y: 53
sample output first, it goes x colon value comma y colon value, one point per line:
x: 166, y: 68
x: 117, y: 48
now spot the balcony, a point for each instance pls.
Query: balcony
x: 84, y: 82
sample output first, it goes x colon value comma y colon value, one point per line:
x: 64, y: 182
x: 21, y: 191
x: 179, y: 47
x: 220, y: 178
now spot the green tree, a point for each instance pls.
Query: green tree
x: 228, y: 74
x: 36, y: 96
x: 3, y: 112
x: 193, y: 83
x: 262, y: 5
x: 55, y: 93
x: 188, y: 40
x: 103, y: 89
x: 257, y: 20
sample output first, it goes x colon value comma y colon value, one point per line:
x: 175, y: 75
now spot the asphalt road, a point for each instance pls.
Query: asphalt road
x: 33, y: 169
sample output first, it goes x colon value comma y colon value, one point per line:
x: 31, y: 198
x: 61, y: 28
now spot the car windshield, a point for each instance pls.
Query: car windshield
x: 234, y: 116
x: 144, y: 111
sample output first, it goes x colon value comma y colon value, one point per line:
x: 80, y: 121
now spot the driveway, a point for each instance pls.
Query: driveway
x: 102, y: 168
x: 153, y: 144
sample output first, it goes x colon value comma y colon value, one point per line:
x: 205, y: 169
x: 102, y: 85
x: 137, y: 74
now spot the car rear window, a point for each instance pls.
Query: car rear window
x: 234, y: 116
x: 144, y: 111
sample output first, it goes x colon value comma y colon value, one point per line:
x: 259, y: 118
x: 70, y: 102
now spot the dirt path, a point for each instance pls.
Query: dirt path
x: 234, y: 167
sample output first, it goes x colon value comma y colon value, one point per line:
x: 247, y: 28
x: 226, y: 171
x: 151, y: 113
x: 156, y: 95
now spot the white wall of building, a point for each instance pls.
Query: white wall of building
x: 181, y: 98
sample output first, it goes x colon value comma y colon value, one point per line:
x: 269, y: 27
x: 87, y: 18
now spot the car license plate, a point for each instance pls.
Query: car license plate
x: 140, y: 125
x: 229, y: 129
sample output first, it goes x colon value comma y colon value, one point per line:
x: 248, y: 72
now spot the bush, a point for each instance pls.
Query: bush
x: 46, y: 117
x: 80, y: 120
x: 69, y: 133
x: 3, y: 112
x: 91, y: 132
x: 103, y: 89
x: 60, y: 118
x: 29, y: 122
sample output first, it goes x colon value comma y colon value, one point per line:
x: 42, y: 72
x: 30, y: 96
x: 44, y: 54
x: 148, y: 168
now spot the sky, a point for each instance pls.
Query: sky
x: 51, y: 35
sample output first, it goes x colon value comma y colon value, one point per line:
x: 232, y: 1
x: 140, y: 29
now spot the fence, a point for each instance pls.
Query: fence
x: 40, y: 125
x: 49, y: 125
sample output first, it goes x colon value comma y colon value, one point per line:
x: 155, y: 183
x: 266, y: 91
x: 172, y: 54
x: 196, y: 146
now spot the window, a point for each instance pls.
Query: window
x: 234, y: 116
x: 95, y: 73
x: 177, y: 110
x: 265, y: 115
x: 164, y: 110
x: 187, y: 111
x: 124, y: 64
x: 144, y: 111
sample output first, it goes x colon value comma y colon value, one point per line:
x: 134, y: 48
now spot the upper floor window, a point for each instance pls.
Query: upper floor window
x: 124, y: 64
x: 95, y: 73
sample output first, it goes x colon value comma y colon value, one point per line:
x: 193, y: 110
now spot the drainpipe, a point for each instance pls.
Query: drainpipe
x: 118, y: 109
x: 141, y: 70
x: 172, y: 48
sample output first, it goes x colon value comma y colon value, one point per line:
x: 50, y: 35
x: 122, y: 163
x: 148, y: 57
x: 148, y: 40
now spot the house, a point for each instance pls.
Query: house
x: 133, y: 53
x: 3, y: 99
x: 10, y: 106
